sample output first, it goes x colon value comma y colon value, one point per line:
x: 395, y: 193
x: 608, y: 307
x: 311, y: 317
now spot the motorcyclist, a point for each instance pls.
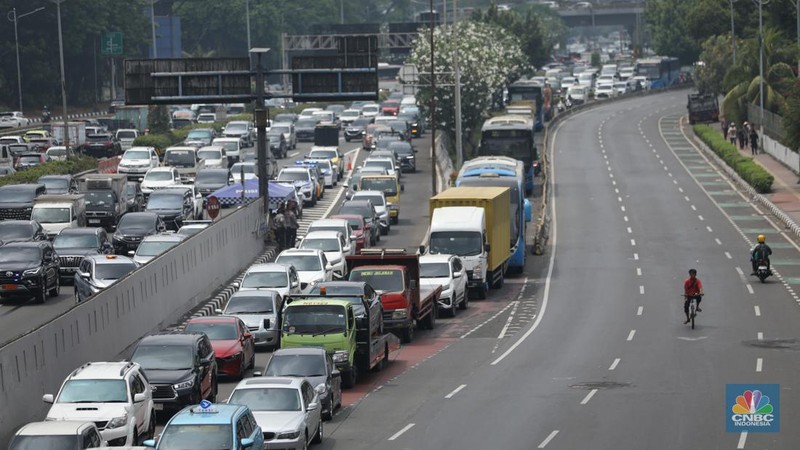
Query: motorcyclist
x: 45, y: 115
x: 760, y: 252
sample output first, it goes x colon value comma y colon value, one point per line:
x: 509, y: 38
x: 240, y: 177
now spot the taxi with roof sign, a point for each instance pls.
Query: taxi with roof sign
x: 303, y: 181
x: 210, y: 426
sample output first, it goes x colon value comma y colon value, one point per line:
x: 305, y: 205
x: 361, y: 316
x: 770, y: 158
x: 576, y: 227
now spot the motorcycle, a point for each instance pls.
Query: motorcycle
x: 763, y: 270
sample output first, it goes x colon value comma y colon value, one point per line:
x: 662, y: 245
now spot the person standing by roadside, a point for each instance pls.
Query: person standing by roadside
x: 724, y: 124
x: 753, y: 140
x: 279, y: 226
x: 742, y: 136
x: 732, y: 134
x: 291, y: 224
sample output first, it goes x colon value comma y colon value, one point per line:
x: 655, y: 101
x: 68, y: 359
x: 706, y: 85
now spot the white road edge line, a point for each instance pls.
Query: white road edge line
x: 757, y: 310
x: 631, y: 334
x: 548, y: 439
x: 759, y: 364
x: 640, y: 311
x: 614, y: 364
x: 742, y: 440
x: 588, y: 396
x: 455, y: 391
x: 399, y: 433
x: 760, y: 336
x: 750, y: 289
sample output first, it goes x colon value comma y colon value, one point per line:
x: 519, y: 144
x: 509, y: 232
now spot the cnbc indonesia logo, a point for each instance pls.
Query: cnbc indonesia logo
x: 751, y: 409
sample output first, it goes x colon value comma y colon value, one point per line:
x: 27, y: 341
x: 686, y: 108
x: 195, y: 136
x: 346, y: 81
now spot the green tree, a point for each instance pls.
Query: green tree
x: 669, y: 29
x: 526, y: 26
x: 791, y: 117
x: 716, y: 59
x: 158, y: 119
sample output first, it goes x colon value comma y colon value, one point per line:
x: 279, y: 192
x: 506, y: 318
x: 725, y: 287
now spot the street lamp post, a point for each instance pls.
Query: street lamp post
x: 733, y: 32
x: 263, y: 157
x: 63, y: 79
x: 247, y: 19
x: 13, y: 17
x: 433, y: 105
x: 760, y: 4
x: 797, y: 15
x: 457, y: 70
x: 153, y: 26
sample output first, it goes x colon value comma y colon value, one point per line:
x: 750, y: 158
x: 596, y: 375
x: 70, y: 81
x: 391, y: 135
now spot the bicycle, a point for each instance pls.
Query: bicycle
x: 693, y: 307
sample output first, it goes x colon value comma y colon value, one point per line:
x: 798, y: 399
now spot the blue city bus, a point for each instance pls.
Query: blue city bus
x: 528, y: 91
x: 503, y: 172
x: 660, y: 71
x: 512, y: 136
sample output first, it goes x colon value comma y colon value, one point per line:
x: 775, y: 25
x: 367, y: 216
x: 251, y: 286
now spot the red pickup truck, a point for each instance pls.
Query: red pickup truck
x: 394, y: 274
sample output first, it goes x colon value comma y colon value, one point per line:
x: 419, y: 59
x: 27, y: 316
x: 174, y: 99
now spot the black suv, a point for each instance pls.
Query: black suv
x: 135, y: 197
x: 16, y: 200
x: 181, y: 368
x: 29, y: 269
x: 132, y: 228
x: 21, y: 231
x: 72, y: 244
x: 59, y: 184
x: 405, y: 156
x: 173, y: 206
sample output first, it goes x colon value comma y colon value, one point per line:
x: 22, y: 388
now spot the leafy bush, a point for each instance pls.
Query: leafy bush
x: 755, y: 175
x: 71, y: 166
x: 159, y: 141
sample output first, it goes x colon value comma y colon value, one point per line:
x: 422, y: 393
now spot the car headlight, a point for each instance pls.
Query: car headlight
x: 32, y: 272
x: 477, y: 272
x: 184, y: 384
x: 289, y: 435
x: 399, y: 314
x: 117, y: 422
x: 321, y: 389
x: 340, y: 356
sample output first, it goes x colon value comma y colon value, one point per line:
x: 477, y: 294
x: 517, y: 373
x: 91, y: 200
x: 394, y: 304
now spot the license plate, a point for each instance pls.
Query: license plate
x: 762, y: 267
x: 9, y: 287
x: 158, y: 406
x: 94, y: 220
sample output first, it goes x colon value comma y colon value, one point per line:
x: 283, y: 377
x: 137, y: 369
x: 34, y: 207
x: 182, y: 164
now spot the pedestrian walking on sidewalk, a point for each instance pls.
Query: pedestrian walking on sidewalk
x: 732, y: 134
x: 724, y: 124
x: 741, y: 136
x: 291, y: 224
x: 279, y: 226
x: 753, y: 140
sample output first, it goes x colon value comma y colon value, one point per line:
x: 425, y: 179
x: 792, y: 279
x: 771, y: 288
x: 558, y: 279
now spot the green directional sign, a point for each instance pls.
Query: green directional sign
x: 111, y: 43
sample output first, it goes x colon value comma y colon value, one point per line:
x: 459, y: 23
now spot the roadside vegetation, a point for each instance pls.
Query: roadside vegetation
x: 72, y: 166
x: 755, y: 175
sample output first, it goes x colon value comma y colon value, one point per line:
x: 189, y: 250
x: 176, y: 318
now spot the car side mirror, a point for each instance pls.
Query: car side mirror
x: 83, y: 274
x: 246, y: 336
x: 149, y: 443
x: 312, y: 406
x: 258, y: 373
x: 328, y: 266
x: 218, y: 311
x: 235, y: 285
x: 412, y: 284
x: 140, y: 397
x: 421, y: 249
x: 295, y: 284
x: 48, y: 398
x: 488, y: 247
x: 456, y: 274
x: 246, y: 442
x: 353, y: 237
x: 336, y: 373
x: 266, y: 324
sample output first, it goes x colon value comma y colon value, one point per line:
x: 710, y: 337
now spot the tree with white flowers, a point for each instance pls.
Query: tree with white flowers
x: 489, y: 58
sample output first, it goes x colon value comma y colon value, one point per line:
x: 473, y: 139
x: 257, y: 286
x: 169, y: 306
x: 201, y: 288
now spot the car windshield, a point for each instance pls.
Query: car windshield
x: 209, y: 154
x: 164, y: 357
x: 293, y: 176
x: 229, y: 146
x: 265, y: 280
x: 361, y: 122
x: 323, y: 154
x: 154, y: 248
x: 16, y: 195
x: 63, y: 241
x: 180, y: 157
x: 387, y: 185
x: 314, y: 319
x: 28, y: 159
x: 98, y: 198
x: 284, y: 118
x: 212, y: 177
x: 237, y: 127
x: 461, y: 243
x: 51, y: 215
x: 282, y: 130
x: 380, y: 280
x: 28, y: 255
x: 236, y: 169
x: 126, y: 134
x: 301, y: 262
x: 160, y: 175
x: 354, y: 222
x: 361, y: 210
x: 162, y: 200
x: 377, y: 200
x: 55, y: 184
x: 57, y: 151
x: 386, y: 164
x: 45, y: 442
x: 296, y: 366
x: 136, y: 154
x: 306, y: 123
x: 10, y: 231
x: 434, y: 270
x: 199, y: 134
x: 249, y: 305
x: 326, y: 245
x: 135, y: 223
x: 266, y: 399
x: 401, y: 148
x: 93, y: 391
x: 205, y: 436
x: 113, y: 271
x: 216, y: 331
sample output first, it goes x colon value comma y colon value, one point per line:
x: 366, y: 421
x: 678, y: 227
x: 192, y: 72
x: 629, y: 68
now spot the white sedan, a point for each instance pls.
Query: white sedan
x: 311, y: 265
x: 13, y: 119
x: 160, y: 177
x: 214, y: 155
x: 335, y: 246
x: 448, y: 272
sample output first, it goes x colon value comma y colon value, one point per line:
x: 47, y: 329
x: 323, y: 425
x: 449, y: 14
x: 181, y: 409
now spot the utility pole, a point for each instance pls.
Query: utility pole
x: 63, y: 80
x: 733, y: 32
x: 433, y: 107
x: 261, y: 132
x: 247, y: 20
x: 153, y: 26
x: 457, y: 70
x: 760, y: 4
x: 13, y: 17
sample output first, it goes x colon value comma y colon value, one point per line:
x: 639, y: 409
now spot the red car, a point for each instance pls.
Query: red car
x: 360, y: 229
x: 390, y: 107
x: 28, y: 160
x: 234, y: 346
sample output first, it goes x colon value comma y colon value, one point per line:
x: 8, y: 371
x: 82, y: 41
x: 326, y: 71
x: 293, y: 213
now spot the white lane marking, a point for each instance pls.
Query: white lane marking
x: 631, y: 334
x: 588, y: 396
x: 759, y: 364
x: 740, y: 271
x: 619, y: 199
x: 614, y: 364
x: 547, y: 281
x: 694, y: 208
x: 630, y: 230
x: 293, y: 154
x: 680, y: 189
x: 508, y: 321
x: 625, y: 217
x: 757, y: 310
x: 635, y: 256
x: 622, y: 208
x: 709, y: 229
x: 700, y: 217
x: 548, y: 439
x: 640, y: 310
x: 742, y: 440
x: 686, y: 198
x: 760, y: 336
x: 676, y: 182
x: 728, y: 255
x: 616, y: 190
x: 405, y: 428
x: 750, y: 289
x: 633, y: 242
x: 641, y: 290
x: 639, y: 271
x: 455, y: 391
x: 718, y: 241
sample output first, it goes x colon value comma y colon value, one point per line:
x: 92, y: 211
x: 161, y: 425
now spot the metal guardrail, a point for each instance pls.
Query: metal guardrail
x: 37, y: 123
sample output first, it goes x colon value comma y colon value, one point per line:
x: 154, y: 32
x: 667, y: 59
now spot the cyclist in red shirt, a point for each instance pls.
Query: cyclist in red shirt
x: 692, y: 288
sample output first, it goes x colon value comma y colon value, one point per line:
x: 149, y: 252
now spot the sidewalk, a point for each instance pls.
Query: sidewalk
x: 785, y: 193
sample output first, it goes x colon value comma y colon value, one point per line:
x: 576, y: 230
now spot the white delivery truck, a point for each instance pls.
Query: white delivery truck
x: 461, y: 230
x: 77, y: 133
x: 185, y: 160
x: 56, y: 212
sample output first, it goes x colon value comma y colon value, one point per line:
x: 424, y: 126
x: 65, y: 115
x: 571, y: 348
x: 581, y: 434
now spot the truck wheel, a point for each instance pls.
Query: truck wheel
x: 481, y: 292
x: 41, y: 296
x: 407, y: 335
x: 430, y: 320
x: 56, y: 289
x: 395, y: 220
x: 349, y: 380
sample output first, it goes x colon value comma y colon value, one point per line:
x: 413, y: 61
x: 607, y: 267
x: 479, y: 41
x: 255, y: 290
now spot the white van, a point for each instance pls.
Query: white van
x: 465, y: 225
x: 578, y: 94
x: 6, y: 158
